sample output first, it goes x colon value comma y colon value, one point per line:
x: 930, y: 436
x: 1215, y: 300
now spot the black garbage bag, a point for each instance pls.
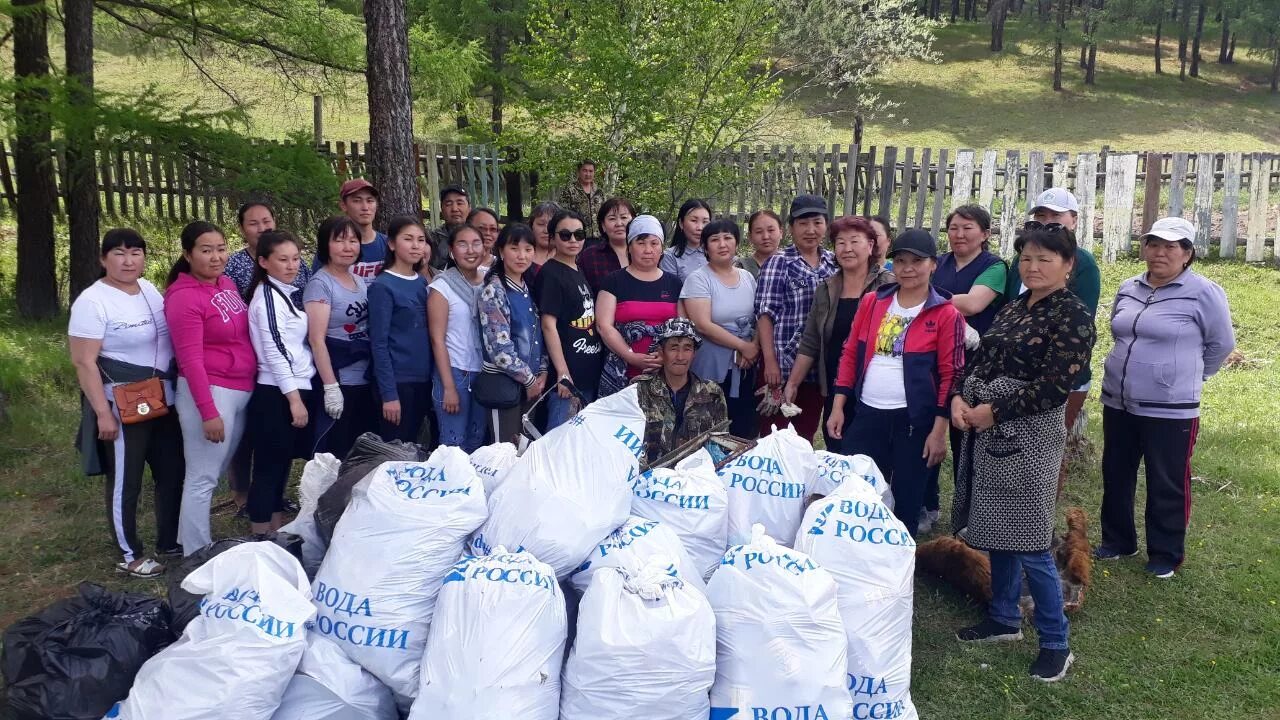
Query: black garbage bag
x: 78, y: 657
x: 187, y: 606
x: 368, y: 452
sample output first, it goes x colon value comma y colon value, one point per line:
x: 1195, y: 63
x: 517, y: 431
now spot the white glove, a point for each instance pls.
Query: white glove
x: 971, y: 338
x: 333, y: 400
x: 770, y: 400
x: 790, y: 410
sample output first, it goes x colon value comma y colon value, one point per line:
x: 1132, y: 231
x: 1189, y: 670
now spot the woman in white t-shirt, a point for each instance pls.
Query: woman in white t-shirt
x: 118, y: 334
x: 719, y: 298
x: 279, y: 423
x: 454, y: 325
x: 899, y: 366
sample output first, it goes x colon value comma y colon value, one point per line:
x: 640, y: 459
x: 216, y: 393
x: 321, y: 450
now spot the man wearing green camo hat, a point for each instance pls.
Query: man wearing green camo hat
x: 678, y: 405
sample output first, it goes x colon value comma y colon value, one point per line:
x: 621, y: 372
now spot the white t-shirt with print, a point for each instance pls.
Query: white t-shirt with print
x: 132, y: 328
x: 885, y: 387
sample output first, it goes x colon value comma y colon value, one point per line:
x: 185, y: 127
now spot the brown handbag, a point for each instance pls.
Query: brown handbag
x: 140, y: 401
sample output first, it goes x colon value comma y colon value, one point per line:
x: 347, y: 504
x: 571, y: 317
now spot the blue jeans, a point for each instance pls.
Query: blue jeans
x: 465, y: 428
x: 558, y: 408
x: 1046, y: 588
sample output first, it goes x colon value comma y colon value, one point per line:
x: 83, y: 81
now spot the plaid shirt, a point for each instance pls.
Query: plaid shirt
x: 240, y: 266
x: 587, y: 204
x: 597, y: 262
x: 785, y: 292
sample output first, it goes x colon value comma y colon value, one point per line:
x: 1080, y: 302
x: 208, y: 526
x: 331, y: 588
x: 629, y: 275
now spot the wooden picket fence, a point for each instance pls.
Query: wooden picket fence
x: 1231, y: 197
x: 138, y: 181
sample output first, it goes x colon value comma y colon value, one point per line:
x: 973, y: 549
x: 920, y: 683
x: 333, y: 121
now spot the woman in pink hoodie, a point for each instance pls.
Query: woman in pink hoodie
x: 216, y: 367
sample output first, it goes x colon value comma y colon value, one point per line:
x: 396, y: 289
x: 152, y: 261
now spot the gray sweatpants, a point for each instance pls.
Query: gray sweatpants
x: 206, y: 461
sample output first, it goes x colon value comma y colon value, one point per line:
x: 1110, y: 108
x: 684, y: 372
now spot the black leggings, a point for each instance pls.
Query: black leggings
x: 276, y: 442
x: 358, y: 417
x: 415, y: 404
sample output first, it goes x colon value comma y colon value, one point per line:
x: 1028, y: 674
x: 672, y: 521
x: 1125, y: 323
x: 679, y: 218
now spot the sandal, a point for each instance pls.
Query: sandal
x: 148, y: 568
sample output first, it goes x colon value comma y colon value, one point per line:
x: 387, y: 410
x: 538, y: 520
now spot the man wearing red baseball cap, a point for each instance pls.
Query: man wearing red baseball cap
x: 358, y: 199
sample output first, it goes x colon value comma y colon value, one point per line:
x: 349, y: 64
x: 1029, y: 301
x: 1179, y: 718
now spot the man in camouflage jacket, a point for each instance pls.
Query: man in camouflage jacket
x: 678, y: 405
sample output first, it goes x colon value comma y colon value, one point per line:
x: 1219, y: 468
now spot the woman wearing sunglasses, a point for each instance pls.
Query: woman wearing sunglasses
x: 568, y: 318
x: 631, y: 305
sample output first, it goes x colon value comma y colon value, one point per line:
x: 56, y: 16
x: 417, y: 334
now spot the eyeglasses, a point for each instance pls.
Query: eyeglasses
x: 569, y: 235
x: 1037, y: 225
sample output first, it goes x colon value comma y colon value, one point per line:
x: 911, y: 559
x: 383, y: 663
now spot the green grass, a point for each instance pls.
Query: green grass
x: 1204, y: 645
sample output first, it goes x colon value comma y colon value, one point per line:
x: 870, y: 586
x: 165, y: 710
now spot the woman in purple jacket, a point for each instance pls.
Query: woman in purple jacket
x: 1172, y: 330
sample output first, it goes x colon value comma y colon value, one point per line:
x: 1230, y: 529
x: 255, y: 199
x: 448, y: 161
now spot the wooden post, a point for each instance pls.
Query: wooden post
x: 1117, y: 218
x: 433, y: 183
x: 1151, y: 191
x: 1035, y: 176
x: 1203, y: 209
x: 987, y: 188
x: 834, y: 176
x: 1231, y: 166
x: 1178, y: 184
x: 1259, y: 206
x: 1086, y: 194
x: 888, y: 174
x: 904, y: 195
x: 744, y: 177
x: 939, y: 190
x: 922, y: 187
x: 1061, y: 169
x: 851, y: 179
x: 871, y: 175
x: 6, y: 178
x: 317, y: 119
x: 1009, y: 210
x: 342, y: 162
x: 962, y: 183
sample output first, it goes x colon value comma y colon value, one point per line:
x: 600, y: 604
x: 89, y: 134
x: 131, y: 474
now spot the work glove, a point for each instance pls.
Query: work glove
x: 971, y: 338
x: 770, y: 400
x: 333, y: 400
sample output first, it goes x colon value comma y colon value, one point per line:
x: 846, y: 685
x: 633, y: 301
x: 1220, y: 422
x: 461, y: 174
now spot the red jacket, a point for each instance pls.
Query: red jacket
x: 933, y: 352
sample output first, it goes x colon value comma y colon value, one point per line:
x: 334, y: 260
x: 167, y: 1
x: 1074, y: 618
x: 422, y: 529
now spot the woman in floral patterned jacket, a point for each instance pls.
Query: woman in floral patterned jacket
x: 509, y: 325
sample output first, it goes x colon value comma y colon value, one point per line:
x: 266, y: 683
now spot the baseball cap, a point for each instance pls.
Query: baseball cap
x: 1056, y: 199
x: 453, y: 190
x: 916, y: 242
x: 806, y: 205
x: 1172, y: 229
x: 676, y: 327
x: 645, y: 225
x: 355, y: 185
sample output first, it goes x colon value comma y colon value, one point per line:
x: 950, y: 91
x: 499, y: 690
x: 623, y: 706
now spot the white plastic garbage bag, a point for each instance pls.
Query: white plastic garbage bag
x: 646, y: 648
x: 330, y: 686
x: 768, y: 485
x: 834, y: 469
x: 318, y: 474
x: 406, y: 525
x: 492, y: 463
x: 781, y: 641
x: 873, y: 559
x: 631, y: 547
x: 497, y: 643
x: 570, y: 488
x: 236, y: 657
x: 692, y: 501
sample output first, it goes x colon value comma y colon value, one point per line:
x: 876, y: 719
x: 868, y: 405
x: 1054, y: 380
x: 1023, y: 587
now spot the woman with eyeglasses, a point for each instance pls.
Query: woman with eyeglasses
x: 1010, y: 405
x: 631, y: 305
x: 568, y: 319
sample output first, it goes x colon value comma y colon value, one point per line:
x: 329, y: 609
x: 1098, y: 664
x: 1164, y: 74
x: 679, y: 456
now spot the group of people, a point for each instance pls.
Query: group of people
x: 450, y: 335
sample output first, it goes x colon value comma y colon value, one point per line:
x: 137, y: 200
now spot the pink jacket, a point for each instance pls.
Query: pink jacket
x: 209, y: 325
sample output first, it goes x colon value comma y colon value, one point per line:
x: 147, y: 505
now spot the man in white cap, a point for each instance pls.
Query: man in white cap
x: 1058, y: 206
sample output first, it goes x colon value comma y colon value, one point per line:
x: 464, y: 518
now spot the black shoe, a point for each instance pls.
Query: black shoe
x: 989, y: 631
x: 175, y: 551
x: 1102, y: 552
x: 1051, y: 665
x: 291, y: 507
x: 1161, y: 569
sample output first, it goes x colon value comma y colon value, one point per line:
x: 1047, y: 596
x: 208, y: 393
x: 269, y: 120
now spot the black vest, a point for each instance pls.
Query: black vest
x: 959, y: 282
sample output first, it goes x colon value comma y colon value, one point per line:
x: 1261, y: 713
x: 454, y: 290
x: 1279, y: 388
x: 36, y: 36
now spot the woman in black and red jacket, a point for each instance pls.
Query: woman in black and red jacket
x: 899, y: 364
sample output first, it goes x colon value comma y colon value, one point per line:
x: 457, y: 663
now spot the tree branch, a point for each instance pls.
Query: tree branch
x: 224, y: 34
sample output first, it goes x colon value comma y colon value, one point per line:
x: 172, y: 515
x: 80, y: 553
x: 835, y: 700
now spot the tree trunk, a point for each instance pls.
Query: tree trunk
x: 1184, y: 34
x: 81, y: 181
x: 1275, y: 70
x: 999, y: 13
x: 955, y: 9
x: 1224, y: 46
x: 462, y: 122
x: 1057, y: 47
x: 1084, y: 50
x: 1091, y: 70
x: 1231, y: 56
x: 390, y: 147
x: 1159, y: 28
x: 37, y: 282
x: 1195, y: 42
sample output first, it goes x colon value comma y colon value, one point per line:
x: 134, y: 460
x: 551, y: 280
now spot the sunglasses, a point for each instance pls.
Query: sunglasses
x: 1037, y: 225
x: 568, y: 235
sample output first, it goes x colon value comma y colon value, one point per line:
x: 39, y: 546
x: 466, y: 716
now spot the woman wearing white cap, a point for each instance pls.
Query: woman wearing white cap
x: 1172, y: 330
